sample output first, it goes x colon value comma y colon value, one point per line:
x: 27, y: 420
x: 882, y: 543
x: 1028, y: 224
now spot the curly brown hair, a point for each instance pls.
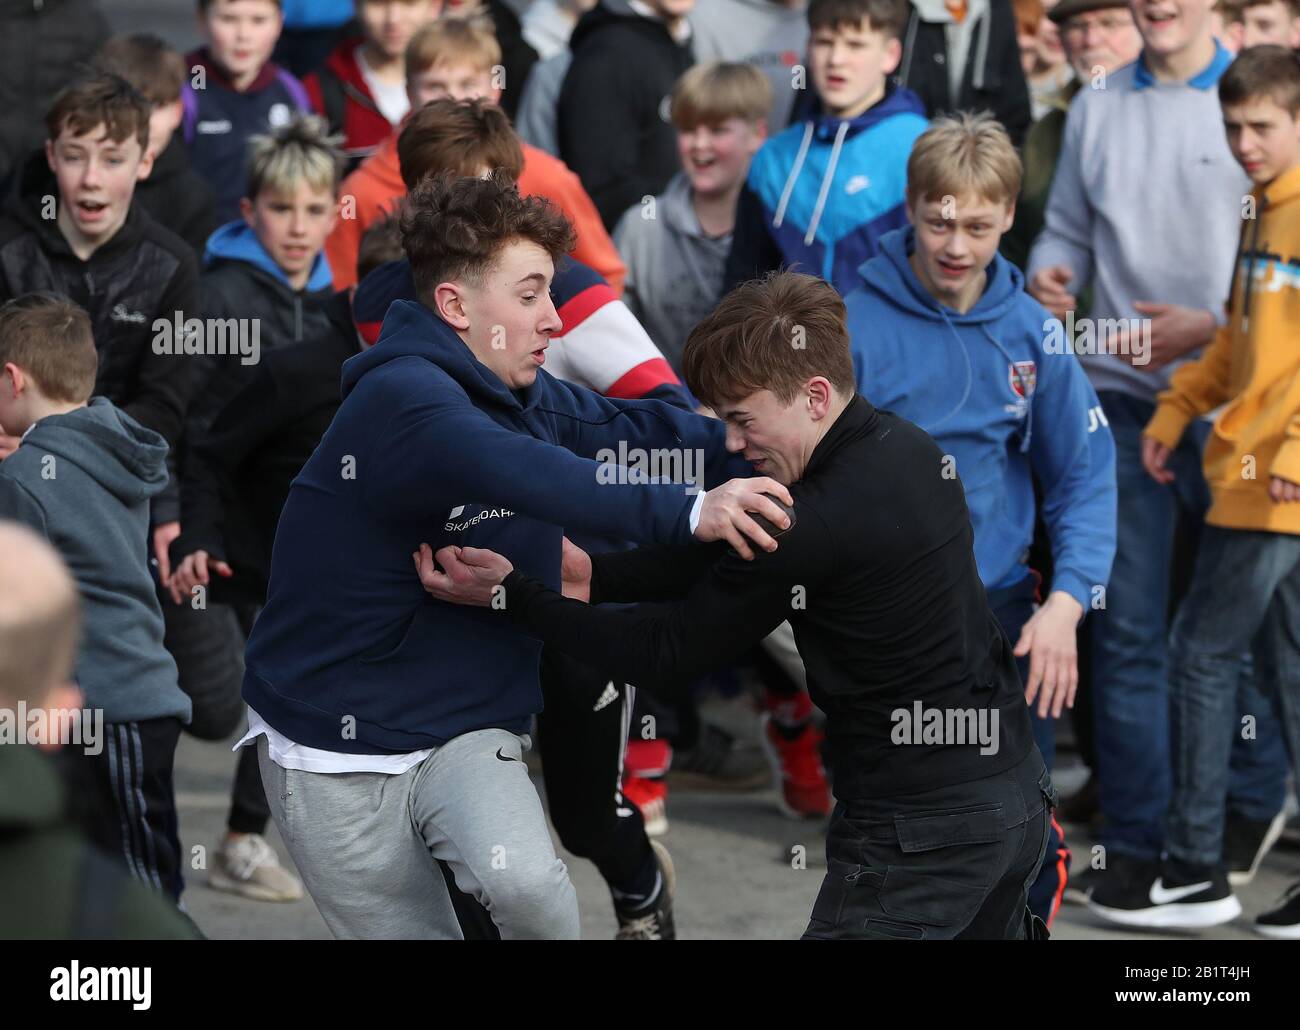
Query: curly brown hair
x: 454, y: 227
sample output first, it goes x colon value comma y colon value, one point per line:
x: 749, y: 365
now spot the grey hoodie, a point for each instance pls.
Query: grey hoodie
x: 674, y: 271
x: 84, y: 481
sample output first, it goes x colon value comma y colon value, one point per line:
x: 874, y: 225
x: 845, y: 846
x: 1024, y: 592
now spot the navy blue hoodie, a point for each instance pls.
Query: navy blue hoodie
x: 350, y: 653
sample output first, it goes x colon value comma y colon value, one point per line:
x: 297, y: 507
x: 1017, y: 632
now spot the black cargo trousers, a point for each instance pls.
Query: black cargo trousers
x: 953, y: 863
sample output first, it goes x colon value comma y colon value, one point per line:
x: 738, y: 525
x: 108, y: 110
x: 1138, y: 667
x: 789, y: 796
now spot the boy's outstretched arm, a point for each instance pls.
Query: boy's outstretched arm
x: 415, y: 470
x: 729, y: 610
x: 1194, y: 388
x: 1073, y: 458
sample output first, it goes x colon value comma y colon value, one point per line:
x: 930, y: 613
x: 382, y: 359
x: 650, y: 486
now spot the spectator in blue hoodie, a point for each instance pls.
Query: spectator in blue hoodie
x: 821, y: 194
x: 82, y: 478
x: 236, y: 91
x: 265, y: 285
x: 449, y: 427
x: 944, y: 334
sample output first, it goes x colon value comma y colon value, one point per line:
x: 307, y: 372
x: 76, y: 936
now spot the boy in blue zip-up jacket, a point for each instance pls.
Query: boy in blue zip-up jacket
x: 821, y: 194
x: 451, y: 432
x: 944, y: 335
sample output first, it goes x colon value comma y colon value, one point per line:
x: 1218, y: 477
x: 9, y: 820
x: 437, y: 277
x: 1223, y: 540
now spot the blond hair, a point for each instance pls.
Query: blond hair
x: 299, y: 151
x: 40, y: 617
x: 453, y: 40
x: 711, y: 93
x: 964, y: 155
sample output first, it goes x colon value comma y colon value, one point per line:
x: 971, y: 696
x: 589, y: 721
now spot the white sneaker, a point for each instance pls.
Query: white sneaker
x: 249, y: 866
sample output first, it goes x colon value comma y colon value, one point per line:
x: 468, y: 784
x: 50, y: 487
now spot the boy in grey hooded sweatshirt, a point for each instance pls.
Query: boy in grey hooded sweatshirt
x: 82, y: 477
x: 675, y: 245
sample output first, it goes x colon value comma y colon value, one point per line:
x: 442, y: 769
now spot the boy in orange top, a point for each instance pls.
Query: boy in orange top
x: 1245, y: 592
x: 461, y: 60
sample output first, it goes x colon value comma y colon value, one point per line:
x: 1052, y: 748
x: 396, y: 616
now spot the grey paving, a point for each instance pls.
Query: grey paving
x: 734, y: 855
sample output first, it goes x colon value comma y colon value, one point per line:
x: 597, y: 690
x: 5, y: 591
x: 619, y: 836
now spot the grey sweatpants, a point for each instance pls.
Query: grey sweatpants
x: 365, y: 843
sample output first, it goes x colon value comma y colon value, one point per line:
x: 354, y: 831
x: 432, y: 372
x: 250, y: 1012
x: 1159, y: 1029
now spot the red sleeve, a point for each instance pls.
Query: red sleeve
x: 312, y: 85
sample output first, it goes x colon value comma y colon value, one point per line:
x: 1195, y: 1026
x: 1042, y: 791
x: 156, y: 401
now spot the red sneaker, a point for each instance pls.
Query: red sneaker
x: 644, y: 765
x: 797, y: 765
x: 651, y: 797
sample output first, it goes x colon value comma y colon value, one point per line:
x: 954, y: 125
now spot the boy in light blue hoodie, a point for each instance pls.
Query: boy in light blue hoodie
x: 821, y: 194
x: 944, y: 335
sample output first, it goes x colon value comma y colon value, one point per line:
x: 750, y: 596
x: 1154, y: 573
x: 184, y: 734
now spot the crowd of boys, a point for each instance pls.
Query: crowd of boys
x: 271, y: 309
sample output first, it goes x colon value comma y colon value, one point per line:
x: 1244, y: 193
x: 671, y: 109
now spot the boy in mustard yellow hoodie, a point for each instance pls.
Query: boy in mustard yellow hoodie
x: 1245, y: 592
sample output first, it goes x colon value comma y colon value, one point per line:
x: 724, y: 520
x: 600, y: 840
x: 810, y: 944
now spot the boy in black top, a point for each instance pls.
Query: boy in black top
x: 938, y: 780
x: 73, y: 227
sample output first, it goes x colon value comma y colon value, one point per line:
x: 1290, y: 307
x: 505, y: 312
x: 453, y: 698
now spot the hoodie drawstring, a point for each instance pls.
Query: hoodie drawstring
x: 970, y: 374
x: 794, y: 174
x: 840, y: 133
x: 970, y: 371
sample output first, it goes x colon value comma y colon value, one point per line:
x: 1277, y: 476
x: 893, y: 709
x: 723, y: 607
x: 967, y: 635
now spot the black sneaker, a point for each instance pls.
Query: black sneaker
x: 654, y: 922
x: 1178, y: 895
x: 1080, y: 884
x: 1284, y: 921
x: 1246, y: 842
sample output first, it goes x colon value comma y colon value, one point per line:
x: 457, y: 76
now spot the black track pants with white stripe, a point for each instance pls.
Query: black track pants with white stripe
x: 123, y: 799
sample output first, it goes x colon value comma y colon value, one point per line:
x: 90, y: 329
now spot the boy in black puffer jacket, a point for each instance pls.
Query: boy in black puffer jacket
x: 72, y: 226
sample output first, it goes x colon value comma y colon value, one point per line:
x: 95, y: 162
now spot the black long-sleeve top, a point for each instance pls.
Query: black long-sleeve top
x: 878, y: 578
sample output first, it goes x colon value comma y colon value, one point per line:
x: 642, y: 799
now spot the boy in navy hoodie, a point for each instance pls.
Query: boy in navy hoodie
x: 82, y: 477
x: 821, y: 194
x: 449, y: 425
x: 234, y: 91
x: 943, y: 334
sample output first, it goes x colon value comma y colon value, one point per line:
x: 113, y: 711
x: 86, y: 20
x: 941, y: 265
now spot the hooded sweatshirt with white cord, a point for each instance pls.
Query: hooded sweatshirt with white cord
x: 820, y: 195
x: 1004, y: 404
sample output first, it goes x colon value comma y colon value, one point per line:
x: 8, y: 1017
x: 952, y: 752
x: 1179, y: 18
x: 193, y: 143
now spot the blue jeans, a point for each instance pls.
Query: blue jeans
x: 1130, y: 656
x: 1245, y: 597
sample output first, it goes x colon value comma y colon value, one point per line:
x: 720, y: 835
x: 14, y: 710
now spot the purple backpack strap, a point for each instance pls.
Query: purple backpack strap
x: 190, y: 112
x: 295, y: 89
